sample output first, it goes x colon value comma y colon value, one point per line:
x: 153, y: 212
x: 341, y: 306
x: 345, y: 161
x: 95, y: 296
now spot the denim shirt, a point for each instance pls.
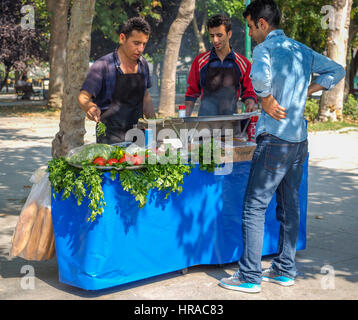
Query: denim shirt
x: 283, y: 67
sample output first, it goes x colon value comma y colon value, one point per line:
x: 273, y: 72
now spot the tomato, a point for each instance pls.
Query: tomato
x: 99, y: 161
x: 112, y: 161
x: 126, y: 158
x: 137, y: 160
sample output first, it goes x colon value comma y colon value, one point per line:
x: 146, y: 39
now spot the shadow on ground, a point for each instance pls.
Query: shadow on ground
x: 16, y: 168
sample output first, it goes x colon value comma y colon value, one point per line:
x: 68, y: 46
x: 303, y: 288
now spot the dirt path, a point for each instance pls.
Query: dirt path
x: 25, y: 144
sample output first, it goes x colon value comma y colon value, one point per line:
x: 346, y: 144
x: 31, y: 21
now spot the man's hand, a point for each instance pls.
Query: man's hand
x: 250, y: 105
x: 189, y: 106
x: 148, y: 107
x: 314, y: 87
x: 94, y: 113
x: 272, y: 108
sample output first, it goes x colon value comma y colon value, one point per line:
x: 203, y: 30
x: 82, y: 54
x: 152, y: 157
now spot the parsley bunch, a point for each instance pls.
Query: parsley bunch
x: 215, y: 153
x: 85, y: 182
x: 101, y: 129
x: 167, y: 178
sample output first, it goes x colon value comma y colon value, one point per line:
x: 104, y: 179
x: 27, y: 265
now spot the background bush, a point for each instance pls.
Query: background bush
x: 311, y: 109
x: 350, y: 108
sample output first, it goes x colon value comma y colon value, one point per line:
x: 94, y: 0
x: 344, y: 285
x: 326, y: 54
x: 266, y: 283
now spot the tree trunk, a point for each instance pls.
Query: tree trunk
x: 72, y: 121
x: 353, y: 70
x: 199, y: 34
x: 331, y: 104
x: 176, y: 31
x: 4, y: 82
x: 57, y: 50
x: 352, y: 60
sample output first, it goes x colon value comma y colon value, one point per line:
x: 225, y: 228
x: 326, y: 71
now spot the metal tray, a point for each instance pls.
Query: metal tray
x: 229, y: 117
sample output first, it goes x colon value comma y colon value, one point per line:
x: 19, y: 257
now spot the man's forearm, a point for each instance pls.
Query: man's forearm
x: 148, y: 107
x: 90, y: 108
x: 189, y: 107
x: 84, y: 100
x: 314, y: 87
x: 272, y: 108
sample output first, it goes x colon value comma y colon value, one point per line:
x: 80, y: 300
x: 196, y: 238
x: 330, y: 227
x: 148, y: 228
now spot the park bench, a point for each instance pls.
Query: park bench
x: 24, y: 92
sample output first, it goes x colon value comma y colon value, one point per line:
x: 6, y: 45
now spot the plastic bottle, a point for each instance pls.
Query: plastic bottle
x: 149, y: 138
x: 182, y: 111
x: 252, y: 128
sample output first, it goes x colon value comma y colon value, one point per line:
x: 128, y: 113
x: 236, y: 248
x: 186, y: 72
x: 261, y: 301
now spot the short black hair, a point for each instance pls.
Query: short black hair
x: 219, y: 19
x: 136, y: 23
x: 265, y: 9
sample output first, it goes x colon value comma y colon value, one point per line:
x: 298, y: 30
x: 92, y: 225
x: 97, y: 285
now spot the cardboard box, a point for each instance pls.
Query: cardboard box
x: 238, y: 152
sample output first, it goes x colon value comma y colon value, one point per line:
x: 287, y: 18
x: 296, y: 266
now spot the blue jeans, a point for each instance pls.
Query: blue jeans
x: 276, y: 166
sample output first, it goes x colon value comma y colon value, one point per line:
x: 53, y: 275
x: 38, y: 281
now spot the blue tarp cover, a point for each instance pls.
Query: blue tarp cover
x: 202, y: 225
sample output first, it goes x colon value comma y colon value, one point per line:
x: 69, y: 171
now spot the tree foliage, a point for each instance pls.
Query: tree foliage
x: 42, y: 15
x: 354, y: 25
x: 111, y: 14
x: 301, y: 20
x: 233, y: 9
x: 19, y: 45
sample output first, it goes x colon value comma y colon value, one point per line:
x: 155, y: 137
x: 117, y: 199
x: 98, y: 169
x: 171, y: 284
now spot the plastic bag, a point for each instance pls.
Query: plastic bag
x: 88, y: 152
x: 33, y: 237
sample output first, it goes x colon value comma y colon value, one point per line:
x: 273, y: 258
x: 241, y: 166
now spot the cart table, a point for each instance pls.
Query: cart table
x: 202, y: 225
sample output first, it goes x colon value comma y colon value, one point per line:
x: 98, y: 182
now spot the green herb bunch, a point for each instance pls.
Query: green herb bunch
x: 85, y: 182
x: 167, y: 178
x: 215, y: 153
x: 101, y: 129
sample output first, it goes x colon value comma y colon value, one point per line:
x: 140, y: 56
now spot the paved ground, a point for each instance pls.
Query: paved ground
x: 328, y: 266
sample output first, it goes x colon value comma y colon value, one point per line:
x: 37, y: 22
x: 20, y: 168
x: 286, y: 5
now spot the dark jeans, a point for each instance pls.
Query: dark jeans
x: 276, y: 166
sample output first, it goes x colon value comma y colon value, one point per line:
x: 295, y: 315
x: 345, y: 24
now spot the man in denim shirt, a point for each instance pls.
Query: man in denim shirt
x: 280, y: 75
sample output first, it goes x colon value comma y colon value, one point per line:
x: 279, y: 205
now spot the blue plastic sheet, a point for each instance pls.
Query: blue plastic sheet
x: 202, y: 225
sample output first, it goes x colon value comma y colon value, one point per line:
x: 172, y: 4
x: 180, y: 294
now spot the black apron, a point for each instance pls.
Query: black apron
x: 220, y: 92
x: 125, y: 109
